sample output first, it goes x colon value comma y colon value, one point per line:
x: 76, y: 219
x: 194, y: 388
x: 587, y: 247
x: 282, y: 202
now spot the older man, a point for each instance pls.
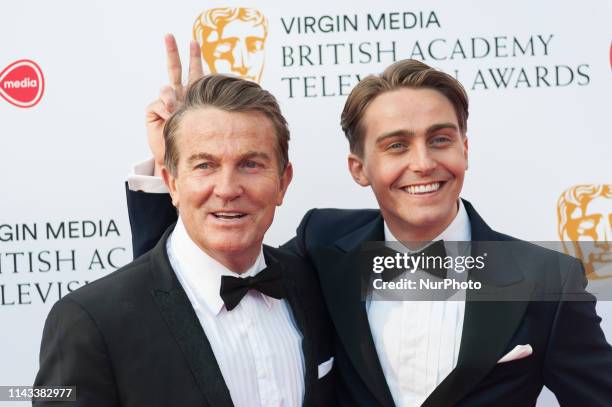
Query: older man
x: 209, y: 316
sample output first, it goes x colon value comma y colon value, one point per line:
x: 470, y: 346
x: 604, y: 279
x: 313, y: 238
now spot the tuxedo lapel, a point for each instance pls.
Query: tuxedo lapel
x: 488, y: 325
x: 290, y: 268
x: 487, y: 330
x: 341, y: 281
x: 182, y: 321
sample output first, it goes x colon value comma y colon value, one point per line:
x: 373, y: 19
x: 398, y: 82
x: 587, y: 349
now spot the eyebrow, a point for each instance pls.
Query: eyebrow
x: 245, y: 156
x: 201, y: 156
x: 409, y: 133
x: 255, y: 154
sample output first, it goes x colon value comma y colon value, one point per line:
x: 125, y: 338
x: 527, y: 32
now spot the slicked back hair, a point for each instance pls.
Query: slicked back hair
x: 407, y: 73
x: 230, y: 94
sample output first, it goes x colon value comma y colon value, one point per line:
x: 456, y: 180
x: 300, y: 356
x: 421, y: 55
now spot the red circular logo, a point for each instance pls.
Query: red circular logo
x: 22, y: 83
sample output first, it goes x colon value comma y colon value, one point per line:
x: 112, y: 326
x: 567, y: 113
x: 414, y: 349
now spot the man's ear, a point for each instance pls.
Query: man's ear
x: 171, y: 184
x: 356, y: 168
x: 285, y: 180
x: 465, y: 151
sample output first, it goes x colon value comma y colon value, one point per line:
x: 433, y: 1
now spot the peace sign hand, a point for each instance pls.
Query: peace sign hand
x: 171, y: 96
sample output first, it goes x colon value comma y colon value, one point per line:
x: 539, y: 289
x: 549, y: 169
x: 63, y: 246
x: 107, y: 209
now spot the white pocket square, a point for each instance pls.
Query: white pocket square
x: 325, y: 367
x: 519, y: 352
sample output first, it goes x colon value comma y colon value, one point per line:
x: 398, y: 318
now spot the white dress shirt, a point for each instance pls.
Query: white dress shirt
x: 142, y: 178
x: 257, y: 345
x: 417, y: 342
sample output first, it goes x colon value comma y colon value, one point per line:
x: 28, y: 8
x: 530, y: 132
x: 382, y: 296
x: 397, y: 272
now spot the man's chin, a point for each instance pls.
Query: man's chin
x: 425, y: 220
x: 229, y: 247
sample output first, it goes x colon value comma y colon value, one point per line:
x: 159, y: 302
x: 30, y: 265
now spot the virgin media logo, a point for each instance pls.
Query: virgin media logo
x: 22, y: 83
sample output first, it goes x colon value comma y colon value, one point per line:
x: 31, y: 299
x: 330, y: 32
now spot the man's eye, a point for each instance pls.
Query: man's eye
x: 396, y: 146
x: 250, y: 164
x: 203, y: 166
x: 440, y: 140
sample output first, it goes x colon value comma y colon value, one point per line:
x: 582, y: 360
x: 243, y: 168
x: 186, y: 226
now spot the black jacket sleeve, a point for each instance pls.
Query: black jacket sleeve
x: 150, y: 215
x: 297, y: 245
x: 578, y: 365
x: 73, y: 353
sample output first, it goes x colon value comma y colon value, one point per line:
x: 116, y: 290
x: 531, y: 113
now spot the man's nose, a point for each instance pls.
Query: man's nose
x: 421, y: 160
x: 227, y: 185
x: 240, y: 55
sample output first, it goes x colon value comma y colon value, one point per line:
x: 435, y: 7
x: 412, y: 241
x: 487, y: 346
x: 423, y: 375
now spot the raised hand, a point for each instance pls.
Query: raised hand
x: 171, y: 96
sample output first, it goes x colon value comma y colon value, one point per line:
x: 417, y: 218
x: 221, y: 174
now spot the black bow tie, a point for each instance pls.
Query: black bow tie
x: 436, y: 249
x: 268, y: 281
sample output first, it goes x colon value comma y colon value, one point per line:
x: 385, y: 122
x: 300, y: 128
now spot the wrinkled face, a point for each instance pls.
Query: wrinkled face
x: 593, y: 226
x: 227, y: 184
x: 238, y: 48
x: 414, y: 160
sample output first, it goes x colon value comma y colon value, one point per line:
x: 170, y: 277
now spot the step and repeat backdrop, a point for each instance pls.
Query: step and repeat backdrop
x: 76, y: 76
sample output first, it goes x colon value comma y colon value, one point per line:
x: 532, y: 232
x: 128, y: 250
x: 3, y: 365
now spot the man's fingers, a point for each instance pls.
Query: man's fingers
x: 168, y: 96
x: 195, y: 62
x: 173, y: 60
x: 157, y: 111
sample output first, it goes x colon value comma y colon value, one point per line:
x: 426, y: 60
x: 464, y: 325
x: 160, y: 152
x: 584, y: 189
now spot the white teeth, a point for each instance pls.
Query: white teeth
x: 228, y: 215
x: 422, y: 189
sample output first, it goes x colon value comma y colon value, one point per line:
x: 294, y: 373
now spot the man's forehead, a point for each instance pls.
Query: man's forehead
x: 234, y: 144
x: 231, y: 154
x: 409, y: 133
x: 418, y: 108
x: 211, y: 120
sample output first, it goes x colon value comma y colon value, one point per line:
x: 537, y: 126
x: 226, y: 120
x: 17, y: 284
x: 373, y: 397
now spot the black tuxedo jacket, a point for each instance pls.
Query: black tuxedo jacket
x: 133, y: 339
x: 571, y: 356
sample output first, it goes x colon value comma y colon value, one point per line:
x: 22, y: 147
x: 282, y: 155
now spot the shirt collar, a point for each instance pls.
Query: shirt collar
x: 458, y: 230
x: 201, y: 274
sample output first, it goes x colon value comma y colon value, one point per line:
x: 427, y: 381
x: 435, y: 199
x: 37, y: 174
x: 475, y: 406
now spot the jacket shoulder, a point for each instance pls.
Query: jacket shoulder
x: 534, y: 250
x: 124, y: 284
x: 546, y: 262
x: 326, y: 225
x: 297, y: 268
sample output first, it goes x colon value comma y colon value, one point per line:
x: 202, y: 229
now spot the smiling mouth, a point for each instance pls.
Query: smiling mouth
x: 424, y: 189
x: 228, y: 215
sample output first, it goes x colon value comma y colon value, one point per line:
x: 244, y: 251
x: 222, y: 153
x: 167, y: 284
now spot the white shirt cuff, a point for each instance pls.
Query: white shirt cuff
x: 142, y: 179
